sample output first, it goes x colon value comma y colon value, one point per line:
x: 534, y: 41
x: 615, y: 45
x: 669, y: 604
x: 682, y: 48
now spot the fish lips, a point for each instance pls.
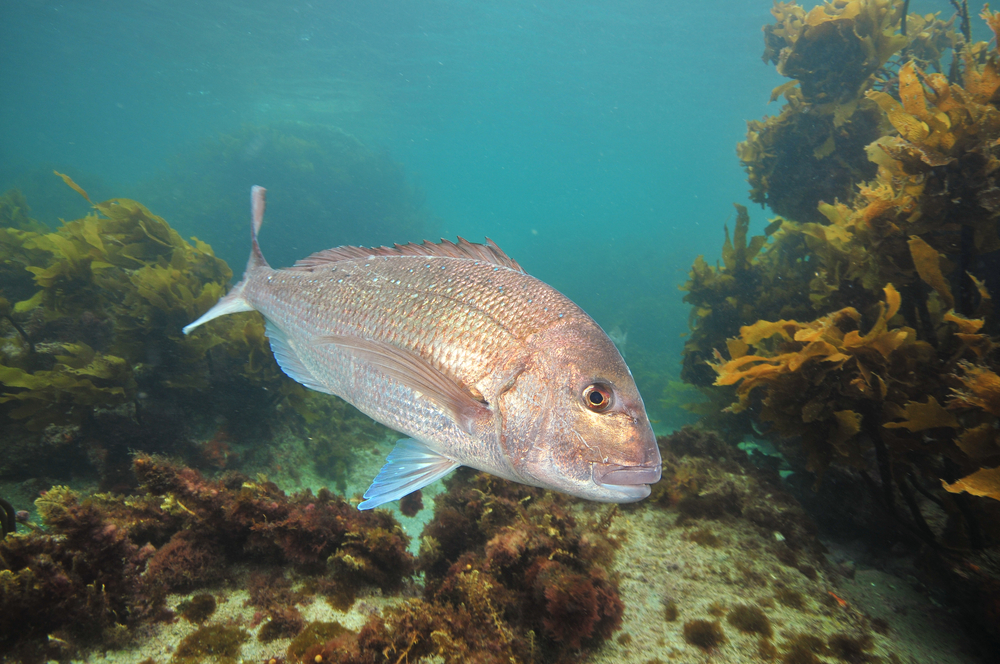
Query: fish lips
x: 632, y: 481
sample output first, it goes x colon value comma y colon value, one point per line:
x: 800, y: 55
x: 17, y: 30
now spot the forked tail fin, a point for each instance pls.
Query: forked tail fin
x: 234, y: 301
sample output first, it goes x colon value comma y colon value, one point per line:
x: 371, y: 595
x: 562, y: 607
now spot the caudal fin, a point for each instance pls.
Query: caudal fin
x: 258, y: 202
x: 234, y: 301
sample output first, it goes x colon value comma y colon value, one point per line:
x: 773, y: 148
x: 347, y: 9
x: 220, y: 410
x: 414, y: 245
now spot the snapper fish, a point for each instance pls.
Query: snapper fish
x: 455, y: 346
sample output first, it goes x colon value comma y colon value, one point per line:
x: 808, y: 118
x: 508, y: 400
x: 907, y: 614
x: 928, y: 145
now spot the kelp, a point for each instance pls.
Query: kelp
x: 733, y: 292
x: 80, y: 378
x: 985, y: 482
x: 125, y: 266
x: 844, y: 392
x: 95, y: 345
x: 94, y: 365
x: 883, y: 361
x: 833, y: 49
x: 815, y: 148
x: 820, y: 371
x: 17, y: 228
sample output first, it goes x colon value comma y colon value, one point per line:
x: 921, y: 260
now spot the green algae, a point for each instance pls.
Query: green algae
x: 220, y: 642
x: 314, y: 634
x: 198, y: 609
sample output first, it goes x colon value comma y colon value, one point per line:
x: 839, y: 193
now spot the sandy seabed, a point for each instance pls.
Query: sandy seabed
x: 658, y: 565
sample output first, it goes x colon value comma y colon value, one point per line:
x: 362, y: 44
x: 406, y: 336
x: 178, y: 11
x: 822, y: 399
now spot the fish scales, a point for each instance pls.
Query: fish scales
x: 404, y: 301
x: 463, y: 316
x: 456, y: 346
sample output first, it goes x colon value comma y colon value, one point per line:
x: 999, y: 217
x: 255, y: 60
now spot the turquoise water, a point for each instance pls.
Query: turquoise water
x: 593, y: 141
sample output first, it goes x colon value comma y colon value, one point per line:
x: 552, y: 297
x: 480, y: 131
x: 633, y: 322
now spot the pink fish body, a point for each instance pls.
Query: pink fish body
x: 455, y: 346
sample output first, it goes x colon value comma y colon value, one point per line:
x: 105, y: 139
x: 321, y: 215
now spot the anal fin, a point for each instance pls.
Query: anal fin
x: 410, y: 466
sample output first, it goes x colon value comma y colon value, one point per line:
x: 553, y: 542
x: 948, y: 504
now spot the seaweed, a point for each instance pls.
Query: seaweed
x: 198, y: 609
x: 17, y: 228
x: 705, y: 634
x: 107, y: 561
x: 884, y: 362
x: 78, y: 582
x: 814, y: 149
x: 509, y: 572
x: 866, y: 379
x: 312, y: 635
x: 218, y: 641
x: 94, y: 362
x: 750, y: 619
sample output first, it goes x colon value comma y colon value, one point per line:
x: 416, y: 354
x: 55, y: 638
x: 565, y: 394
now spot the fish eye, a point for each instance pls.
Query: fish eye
x: 597, y: 397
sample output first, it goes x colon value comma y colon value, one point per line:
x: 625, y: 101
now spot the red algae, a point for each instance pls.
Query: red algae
x: 311, y: 532
x: 411, y: 503
x: 97, y: 567
x: 511, y: 574
x: 78, y: 580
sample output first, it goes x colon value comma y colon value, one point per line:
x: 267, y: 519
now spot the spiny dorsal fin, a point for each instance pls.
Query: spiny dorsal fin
x: 488, y: 252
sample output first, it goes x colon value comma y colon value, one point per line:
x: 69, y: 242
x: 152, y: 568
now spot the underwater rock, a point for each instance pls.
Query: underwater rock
x: 329, y: 184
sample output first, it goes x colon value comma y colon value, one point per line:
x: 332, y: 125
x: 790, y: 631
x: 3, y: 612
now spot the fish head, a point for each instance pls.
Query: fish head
x: 589, y: 435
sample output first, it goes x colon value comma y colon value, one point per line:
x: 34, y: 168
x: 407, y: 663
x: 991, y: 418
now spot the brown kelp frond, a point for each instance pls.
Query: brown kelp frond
x: 907, y: 378
x: 91, y: 317
x: 814, y: 150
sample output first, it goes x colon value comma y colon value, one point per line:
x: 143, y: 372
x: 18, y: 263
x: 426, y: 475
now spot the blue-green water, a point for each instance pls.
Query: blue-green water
x: 593, y: 141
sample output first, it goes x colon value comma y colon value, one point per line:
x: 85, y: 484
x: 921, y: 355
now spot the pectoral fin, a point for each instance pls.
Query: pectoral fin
x: 418, y: 374
x: 410, y: 466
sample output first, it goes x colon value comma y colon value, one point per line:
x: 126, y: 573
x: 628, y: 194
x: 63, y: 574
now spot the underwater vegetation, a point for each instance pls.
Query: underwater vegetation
x: 105, y: 563
x: 325, y: 185
x: 510, y: 571
x: 858, y: 332
x: 93, y: 362
x: 834, y: 53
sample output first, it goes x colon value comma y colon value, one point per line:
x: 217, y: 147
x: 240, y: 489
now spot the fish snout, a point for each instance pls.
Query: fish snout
x: 646, y: 471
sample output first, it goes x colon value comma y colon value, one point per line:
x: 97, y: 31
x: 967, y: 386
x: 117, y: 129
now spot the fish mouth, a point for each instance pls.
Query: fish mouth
x: 616, y: 475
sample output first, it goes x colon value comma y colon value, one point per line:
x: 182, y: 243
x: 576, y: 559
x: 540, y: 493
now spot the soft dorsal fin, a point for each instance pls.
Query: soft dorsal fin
x: 488, y: 252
